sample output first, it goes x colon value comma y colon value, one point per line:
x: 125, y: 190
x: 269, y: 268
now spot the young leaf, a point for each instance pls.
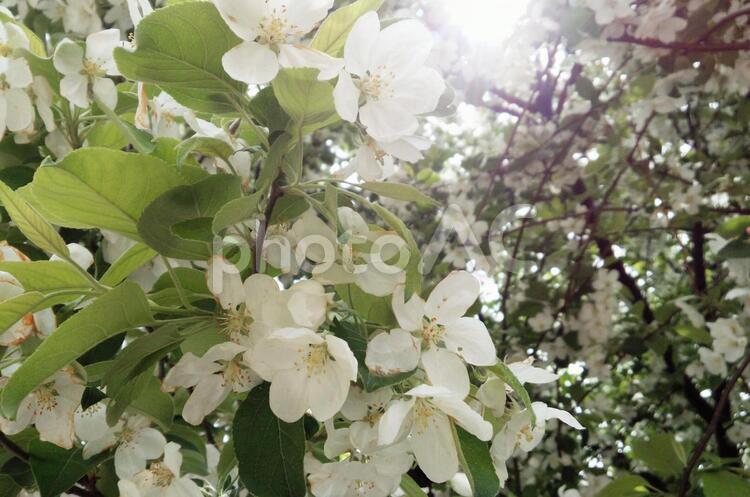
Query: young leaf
x: 269, y: 451
x: 212, y: 147
x: 129, y: 262
x: 120, y: 309
x: 47, y: 276
x: 476, y: 463
x: 236, y: 211
x: 14, y: 309
x: 308, y: 102
x: 398, y: 191
x: 142, y: 354
x: 332, y: 35
x: 504, y: 373
x: 31, y: 223
x: 180, y: 48
x: 102, y: 188
x: 57, y: 470
x: 184, y: 204
x: 724, y: 484
x: 410, y: 487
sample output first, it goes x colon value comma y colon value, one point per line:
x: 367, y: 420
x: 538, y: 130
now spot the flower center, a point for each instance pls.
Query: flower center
x: 432, y: 332
x: 275, y: 27
x: 92, y: 69
x: 5, y: 50
x: 316, y: 359
x: 377, y: 84
x: 46, y: 397
x: 234, y: 373
x: 163, y: 476
x: 236, y: 322
x: 423, y: 413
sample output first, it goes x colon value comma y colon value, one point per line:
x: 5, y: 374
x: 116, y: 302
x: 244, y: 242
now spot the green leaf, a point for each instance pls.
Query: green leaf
x: 236, y: 211
x: 14, y: 309
x: 265, y: 107
x: 35, y: 44
x: 661, y: 453
x: 477, y: 463
x: 227, y: 462
x: 308, y: 102
x: 56, y: 469
x: 152, y: 402
x: 141, y: 140
x: 212, y: 147
x: 120, y: 309
x: 31, y: 223
x: 102, y: 188
x: 269, y: 451
x: 733, y: 227
x: 179, y: 48
x: 739, y: 248
x: 625, y: 486
x: 47, y: 276
x: 725, y: 484
x: 143, y: 353
x: 357, y: 342
x: 398, y: 191
x: 288, y: 208
x: 332, y: 34
x: 106, y: 134
x: 8, y: 486
x: 186, y: 203
x: 368, y: 307
x: 410, y: 487
x: 504, y: 373
x: 129, y: 262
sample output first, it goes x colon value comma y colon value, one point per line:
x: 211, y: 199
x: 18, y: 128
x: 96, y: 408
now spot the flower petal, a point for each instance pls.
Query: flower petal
x: 346, y: 97
x: 452, y: 297
x: 251, y: 63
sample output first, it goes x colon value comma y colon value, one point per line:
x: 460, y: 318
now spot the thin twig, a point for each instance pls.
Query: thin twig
x: 713, y: 425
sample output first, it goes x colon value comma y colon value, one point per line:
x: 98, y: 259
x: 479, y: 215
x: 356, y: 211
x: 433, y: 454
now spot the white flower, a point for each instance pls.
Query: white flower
x: 271, y: 31
x: 364, y: 410
x: 520, y: 433
x: 380, y: 476
x: 241, y: 161
x: 51, y: 409
x: 81, y: 17
x: 374, y: 161
x: 357, y: 256
x: 166, y: 114
x: 42, y: 95
x: 84, y: 72
x: 729, y: 338
x: 493, y: 392
x: 253, y: 308
x: 695, y: 317
x: 606, y: 11
x: 16, y: 109
x: 386, y: 70
x: 78, y: 254
x: 426, y: 417
x: 660, y: 23
x: 136, y: 441
x: 307, y: 371
x: 162, y: 478
x: 713, y: 361
x: 40, y: 323
x: 542, y: 321
x: 438, y: 322
x: 213, y: 377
